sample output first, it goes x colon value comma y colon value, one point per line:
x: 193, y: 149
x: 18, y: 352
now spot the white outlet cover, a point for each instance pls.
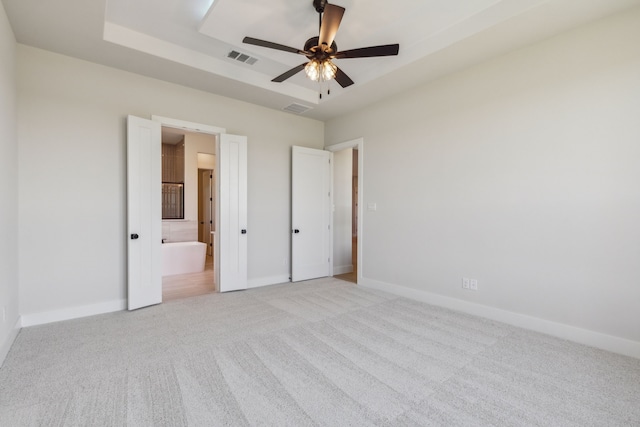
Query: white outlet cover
x: 473, y: 284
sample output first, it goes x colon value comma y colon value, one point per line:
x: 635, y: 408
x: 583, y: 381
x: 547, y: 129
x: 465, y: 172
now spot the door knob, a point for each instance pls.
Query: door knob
x: 134, y: 236
x: 296, y: 231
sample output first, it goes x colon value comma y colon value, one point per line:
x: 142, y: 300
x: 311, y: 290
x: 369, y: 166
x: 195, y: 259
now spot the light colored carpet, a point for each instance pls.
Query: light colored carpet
x: 322, y: 352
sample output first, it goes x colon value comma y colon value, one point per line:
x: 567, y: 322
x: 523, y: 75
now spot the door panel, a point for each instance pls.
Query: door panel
x: 310, y: 214
x: 144, y: 213
x: 231, y: 217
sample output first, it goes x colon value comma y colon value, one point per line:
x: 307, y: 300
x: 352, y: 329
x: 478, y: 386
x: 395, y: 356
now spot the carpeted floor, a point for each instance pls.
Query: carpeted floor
x: 323, y: 352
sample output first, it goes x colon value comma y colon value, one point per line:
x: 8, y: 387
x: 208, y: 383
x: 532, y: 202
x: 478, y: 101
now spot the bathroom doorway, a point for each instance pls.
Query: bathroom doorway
x: 194, y: 229
x: 206, y: 220
x: 147, y: 257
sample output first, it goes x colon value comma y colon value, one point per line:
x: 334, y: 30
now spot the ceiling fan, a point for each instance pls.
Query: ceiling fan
x: 321, y: 50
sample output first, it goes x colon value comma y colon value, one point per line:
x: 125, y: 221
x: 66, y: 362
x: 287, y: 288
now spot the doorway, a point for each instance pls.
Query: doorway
x: 188, y: 163
x: 347, y: 210
x: 144, y: 209
x: 206, y: 221
x: 345, y: 214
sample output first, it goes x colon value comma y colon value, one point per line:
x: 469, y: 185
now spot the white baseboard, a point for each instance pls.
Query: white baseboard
x: 266, y: 281
x: 73, y: 313
x: 560, y: 330
x: 343, y: 269
x: 6, y: 345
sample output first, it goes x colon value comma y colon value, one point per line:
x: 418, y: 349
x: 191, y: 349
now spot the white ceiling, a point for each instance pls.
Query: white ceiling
x: 187, y: 41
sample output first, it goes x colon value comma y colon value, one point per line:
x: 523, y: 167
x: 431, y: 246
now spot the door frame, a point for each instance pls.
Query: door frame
x: 207, y: 129
x: 359, y: 145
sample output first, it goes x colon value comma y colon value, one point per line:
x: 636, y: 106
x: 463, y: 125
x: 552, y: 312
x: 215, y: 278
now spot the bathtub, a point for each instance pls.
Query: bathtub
x: 183, y: 257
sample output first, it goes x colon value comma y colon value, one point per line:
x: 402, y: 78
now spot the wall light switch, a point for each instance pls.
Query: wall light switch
x: 372, y: 207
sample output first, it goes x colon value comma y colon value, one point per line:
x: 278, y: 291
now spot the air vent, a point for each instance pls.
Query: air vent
x: 242, y: 57
x: 296, y: 108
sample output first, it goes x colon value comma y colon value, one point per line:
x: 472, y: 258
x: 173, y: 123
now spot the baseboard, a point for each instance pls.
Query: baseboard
x: 6, y: 346
x: 73, y: 313
x: 266, y: 281
x: 343, y: 269
x: 560, y: 330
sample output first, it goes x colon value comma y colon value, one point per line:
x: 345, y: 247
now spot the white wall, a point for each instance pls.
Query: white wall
x: 342, y: 213
x: 8, y: 188
x: 194, y: 143
x: 522, y: 172
x: 206, y: 161
x: 72, y: 117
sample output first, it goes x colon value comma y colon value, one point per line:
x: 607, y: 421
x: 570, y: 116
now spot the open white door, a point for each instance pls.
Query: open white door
x: 144, y: 213
x: 231, y: 217
x: 310, y: 214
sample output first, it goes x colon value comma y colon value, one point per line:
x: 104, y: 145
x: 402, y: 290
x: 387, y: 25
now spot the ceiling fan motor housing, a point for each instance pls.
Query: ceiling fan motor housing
x: 319, y: 5
x: 312, y: 44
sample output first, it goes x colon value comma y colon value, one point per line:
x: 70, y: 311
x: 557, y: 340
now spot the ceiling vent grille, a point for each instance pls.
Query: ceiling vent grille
x: 296, y: 108
x: 242, y: 57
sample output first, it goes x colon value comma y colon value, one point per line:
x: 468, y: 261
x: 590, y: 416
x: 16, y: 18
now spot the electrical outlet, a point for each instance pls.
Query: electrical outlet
x: 473, y: 284
x: 465, y: 283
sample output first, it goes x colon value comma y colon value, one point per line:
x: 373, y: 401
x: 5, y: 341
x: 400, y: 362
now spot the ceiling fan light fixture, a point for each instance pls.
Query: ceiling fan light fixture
x: 322, y: 49
x: 321, y: 70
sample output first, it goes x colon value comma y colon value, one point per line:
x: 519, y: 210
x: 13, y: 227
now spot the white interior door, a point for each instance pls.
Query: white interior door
x: 231, y: 213
x: 144, y: 213
x: 310, y: 214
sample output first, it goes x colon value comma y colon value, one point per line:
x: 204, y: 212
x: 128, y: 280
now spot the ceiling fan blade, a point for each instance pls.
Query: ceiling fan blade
x: 331, y: 19
x: 271, y: 45
x: 368, y: 52
x: 342, y: 79
x: 284, y: 76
